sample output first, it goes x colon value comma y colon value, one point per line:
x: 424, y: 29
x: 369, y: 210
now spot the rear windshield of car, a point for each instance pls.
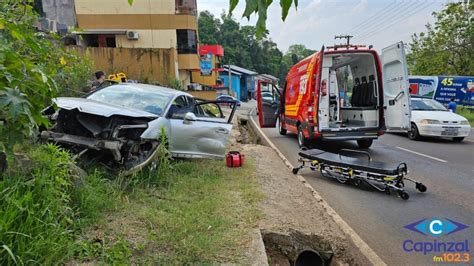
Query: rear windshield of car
x: 426, y: 105
x: 149, y: 100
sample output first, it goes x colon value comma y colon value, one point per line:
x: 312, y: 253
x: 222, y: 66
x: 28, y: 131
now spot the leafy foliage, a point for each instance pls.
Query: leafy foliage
x: 243, y: 48
x: 34, y: 67
x: 447, y: 47
x: 260, y: 7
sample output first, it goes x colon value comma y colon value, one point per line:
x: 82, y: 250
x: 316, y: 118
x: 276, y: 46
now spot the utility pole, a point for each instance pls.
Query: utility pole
x: 347, y: 37
x: 230, y: 78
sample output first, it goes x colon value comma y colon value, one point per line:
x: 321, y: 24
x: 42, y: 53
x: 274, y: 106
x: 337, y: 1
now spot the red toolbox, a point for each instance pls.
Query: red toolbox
x: 235, y: 159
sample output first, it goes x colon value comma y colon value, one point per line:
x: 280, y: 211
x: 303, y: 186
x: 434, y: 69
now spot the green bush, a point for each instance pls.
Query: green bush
x: 34, y: 68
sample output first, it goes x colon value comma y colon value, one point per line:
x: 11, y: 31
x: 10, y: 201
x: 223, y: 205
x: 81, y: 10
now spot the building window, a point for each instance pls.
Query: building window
x: 186, y: 7
x: 99, y: 40
x: 187, y: 43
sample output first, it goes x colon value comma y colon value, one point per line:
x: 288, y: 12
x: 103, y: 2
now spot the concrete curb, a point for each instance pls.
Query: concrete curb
x: 356, y: 239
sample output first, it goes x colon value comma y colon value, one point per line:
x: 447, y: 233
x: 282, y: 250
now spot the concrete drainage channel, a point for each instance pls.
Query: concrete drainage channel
x: 284, y: 242
x: 247, y: 133
x: 296, y: 249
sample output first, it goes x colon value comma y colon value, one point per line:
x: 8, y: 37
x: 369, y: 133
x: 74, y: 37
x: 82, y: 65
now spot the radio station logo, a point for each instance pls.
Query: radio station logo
x: 443, y: 251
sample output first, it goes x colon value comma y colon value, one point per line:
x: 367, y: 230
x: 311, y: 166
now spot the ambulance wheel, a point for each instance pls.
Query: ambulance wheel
x: 413, y: 133
x: 281, y: 130
x: 421, y: 187
x: 403, y: 195
x: 302, y: 140
x: 364, y: 143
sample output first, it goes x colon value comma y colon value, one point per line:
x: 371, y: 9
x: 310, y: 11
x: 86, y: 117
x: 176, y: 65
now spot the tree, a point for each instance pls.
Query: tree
x: 241, y: 46
x: 447, y: 48
x: 295, y: 53
x: 208, y: 27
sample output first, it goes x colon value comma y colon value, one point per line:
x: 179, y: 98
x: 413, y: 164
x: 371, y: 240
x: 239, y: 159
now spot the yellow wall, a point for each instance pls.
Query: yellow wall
x: 188, y: 61
x: 149, y: 39
x: 151, y: 65
x: 206, y: 95
x: 122, y: 7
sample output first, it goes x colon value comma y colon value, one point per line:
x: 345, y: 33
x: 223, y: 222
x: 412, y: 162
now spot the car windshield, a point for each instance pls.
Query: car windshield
x: 150, y: 100
x: 421, y: 104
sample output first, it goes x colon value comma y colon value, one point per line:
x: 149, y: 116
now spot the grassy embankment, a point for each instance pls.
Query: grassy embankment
x: 184, y: 212
x: 467, y: 114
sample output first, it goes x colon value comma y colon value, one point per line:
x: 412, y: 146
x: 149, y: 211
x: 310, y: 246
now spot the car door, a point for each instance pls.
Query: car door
x: 268, y: 103
x: 202, y: 132
x: 396, y: 87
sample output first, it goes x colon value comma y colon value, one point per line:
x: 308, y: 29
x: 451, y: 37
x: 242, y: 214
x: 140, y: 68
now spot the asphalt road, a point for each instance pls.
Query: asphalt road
x: 446, y: 168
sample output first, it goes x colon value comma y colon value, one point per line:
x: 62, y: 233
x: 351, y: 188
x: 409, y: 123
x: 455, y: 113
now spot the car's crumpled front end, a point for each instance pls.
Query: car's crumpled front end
x: 111, y: 134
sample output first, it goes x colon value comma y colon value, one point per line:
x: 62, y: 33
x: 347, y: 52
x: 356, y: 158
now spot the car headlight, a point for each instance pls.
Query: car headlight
x: 429, y: 121
x: 464, y: 122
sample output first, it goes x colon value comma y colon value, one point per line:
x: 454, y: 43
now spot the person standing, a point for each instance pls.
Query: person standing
x: 99, y: 79
x: 452, y: 105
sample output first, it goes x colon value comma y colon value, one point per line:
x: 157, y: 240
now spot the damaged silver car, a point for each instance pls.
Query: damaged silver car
x: 120, y: 125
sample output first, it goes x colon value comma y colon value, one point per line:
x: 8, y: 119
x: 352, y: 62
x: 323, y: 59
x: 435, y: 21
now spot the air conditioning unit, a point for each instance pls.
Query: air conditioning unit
x: 132, y: 35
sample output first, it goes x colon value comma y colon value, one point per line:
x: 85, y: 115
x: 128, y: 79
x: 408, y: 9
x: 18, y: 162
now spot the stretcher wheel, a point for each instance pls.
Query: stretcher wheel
x: 403, y: 195
x: 295, y: 170
x: 420, y: 187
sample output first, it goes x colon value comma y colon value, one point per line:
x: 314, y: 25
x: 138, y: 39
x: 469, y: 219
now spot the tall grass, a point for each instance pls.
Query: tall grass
x: 35, y: 213
x: 467, y: 113
x: 41, y: 210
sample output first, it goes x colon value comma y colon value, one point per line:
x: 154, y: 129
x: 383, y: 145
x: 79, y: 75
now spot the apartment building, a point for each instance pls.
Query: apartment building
x: 145, y: 25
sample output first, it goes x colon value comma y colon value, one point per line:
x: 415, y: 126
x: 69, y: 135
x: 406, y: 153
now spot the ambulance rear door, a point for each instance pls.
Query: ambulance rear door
x: 396, y: 88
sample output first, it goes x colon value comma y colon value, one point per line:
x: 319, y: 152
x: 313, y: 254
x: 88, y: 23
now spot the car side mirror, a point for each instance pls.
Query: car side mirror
x: 189, y: 117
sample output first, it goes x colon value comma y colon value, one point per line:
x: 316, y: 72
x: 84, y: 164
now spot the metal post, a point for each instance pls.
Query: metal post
x: 230, y: 78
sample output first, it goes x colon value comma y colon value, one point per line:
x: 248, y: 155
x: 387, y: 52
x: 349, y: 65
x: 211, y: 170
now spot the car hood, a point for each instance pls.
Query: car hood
x: 99, y: 108
x: 437, y: 115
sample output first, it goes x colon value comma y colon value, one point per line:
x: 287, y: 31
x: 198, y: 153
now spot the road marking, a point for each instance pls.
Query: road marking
x: 422, y: 154
x: 364, y: 248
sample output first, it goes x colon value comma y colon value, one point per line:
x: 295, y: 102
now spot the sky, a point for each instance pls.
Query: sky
x: 315, y: 23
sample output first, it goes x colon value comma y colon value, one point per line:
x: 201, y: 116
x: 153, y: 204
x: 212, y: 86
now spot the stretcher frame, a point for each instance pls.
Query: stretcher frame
x: 355, y: 175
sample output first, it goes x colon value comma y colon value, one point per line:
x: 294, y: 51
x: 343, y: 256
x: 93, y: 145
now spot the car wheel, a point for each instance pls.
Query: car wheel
x: 281, y: 130
x: 365, y: 143
x: 413, y: 133
x: 302, y: 140
x: 458, y: 139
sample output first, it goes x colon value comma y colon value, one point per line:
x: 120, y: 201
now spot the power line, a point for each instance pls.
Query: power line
x: 389, y: 18
x: 414, y: 11
x: 376, y: 14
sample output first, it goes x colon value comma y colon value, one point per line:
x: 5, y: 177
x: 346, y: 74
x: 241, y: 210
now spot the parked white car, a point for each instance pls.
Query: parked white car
x: 430, y: 118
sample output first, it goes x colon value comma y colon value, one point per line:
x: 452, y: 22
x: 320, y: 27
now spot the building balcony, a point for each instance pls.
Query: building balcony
x: 188, y: 61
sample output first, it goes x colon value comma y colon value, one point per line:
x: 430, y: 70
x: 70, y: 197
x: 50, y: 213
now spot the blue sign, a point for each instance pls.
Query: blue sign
x: 459, y: 88
x: 206, y: 64
x: 444, y: 88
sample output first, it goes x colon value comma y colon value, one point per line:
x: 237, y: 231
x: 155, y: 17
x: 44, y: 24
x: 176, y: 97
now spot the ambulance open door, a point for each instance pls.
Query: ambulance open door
x: 268, y: 103
x: 396, y: 88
